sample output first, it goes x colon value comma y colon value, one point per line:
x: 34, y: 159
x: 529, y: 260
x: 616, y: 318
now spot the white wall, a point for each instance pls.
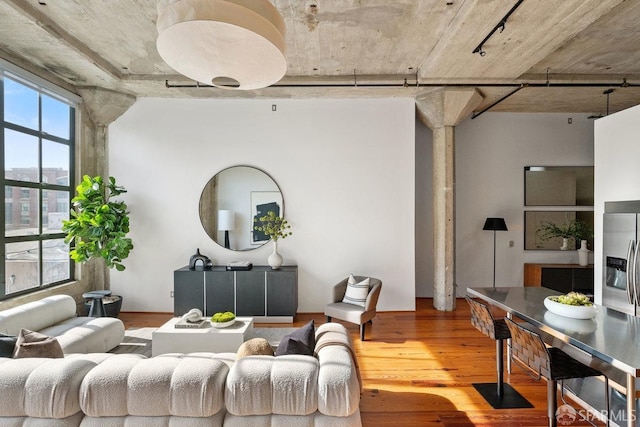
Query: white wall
x: 491, y: 153
x: 345, y: 167
x: 617, y: 174
x: 424, y: 211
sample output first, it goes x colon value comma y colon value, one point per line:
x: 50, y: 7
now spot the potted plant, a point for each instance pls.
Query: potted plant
x: 98, y: 227
x: 575, y: 229
x: 275, y: 227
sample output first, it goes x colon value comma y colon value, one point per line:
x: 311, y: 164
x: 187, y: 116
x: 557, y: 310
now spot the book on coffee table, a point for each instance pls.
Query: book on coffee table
x: 185, y: 324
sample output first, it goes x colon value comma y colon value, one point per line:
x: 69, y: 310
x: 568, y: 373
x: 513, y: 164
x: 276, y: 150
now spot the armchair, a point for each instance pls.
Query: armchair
x: 353, y: 313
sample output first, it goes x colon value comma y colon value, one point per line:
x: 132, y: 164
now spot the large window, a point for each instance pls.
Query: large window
x: 37, y: 138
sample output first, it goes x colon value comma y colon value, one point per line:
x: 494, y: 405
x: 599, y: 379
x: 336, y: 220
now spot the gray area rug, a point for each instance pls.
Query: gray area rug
x: 138, y: 340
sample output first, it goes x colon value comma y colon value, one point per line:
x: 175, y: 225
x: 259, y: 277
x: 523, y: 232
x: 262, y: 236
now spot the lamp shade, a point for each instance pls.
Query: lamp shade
x: 232, y: 44
x: 496, y: 224
x: 226, y: 220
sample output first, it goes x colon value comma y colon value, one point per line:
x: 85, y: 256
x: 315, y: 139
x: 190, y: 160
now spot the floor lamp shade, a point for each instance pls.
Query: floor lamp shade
x: 495, y: 224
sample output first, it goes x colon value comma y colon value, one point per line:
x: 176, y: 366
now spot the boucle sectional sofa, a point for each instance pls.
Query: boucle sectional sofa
x: 55, y: 316
x: 186, y: 390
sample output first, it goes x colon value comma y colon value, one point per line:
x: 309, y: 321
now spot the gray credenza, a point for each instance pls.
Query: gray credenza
x: 265, y: 294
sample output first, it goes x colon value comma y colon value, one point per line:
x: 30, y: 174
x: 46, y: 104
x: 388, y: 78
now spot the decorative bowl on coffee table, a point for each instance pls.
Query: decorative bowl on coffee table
x: 221, y: 325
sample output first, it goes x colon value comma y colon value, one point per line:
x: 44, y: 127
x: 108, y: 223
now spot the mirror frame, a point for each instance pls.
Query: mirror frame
x: 257, y: 193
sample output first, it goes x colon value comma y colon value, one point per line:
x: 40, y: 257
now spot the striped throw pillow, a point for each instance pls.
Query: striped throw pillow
x: 357, y: 292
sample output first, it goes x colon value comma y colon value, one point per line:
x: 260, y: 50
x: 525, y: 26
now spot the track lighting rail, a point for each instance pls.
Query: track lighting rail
x: 500, y: 25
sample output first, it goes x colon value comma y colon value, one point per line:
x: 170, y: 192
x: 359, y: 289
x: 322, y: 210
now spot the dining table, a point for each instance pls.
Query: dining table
x: 610, y: 336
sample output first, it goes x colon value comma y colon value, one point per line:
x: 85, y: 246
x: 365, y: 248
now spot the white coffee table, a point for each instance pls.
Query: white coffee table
x: 169, y: 339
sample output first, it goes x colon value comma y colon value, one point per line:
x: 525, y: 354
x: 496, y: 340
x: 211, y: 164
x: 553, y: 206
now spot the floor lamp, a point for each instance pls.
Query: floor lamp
x: 495, y: 224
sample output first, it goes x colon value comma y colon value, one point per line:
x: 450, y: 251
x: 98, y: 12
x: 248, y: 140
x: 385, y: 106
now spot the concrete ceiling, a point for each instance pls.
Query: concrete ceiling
x: 558, y: 56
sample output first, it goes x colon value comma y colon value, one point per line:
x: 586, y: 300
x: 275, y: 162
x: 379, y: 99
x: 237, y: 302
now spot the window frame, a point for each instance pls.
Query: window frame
x: 42, y: 186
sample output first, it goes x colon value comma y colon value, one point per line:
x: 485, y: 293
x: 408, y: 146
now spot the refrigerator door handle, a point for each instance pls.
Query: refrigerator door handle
x: 636, y: 282
x: 631, y: 271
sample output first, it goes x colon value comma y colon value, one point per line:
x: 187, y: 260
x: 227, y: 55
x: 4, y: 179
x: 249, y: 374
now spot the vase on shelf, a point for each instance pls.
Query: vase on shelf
x: 583, y: 253
x: 565, y: 244
x: 275, y: 259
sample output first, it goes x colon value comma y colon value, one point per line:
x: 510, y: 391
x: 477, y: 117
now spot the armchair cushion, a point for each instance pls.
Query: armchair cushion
x: 356, y: 292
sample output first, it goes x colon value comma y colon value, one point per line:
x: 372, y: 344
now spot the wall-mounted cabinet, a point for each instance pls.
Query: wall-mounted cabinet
x: 265, y: 294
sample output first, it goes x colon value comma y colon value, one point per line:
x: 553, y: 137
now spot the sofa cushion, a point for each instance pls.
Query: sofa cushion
x: 300, y: 341
x: 87, y: 334
x: 181, y: 385
x: 41, y: 387
x: 356, y: 292
x: 339, y: 384
x: 37, y: 315
x: 7, y: 345
x: 286, y: 385
x: 35, y: 344
x: 254, y: 347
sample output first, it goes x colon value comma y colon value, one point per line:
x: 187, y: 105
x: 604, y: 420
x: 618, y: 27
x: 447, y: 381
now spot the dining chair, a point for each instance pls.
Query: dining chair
x: 498, y: 394
x: 529, y: 350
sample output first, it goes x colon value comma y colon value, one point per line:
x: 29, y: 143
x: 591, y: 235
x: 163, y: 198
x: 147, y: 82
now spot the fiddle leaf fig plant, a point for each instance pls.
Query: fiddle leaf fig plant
x: 99, y: 225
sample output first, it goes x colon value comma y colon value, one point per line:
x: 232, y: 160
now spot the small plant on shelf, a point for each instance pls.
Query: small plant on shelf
x: 574, y: 229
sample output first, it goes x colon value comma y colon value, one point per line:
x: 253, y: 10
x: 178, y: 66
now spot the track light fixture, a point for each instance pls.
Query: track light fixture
x: 501, y: 26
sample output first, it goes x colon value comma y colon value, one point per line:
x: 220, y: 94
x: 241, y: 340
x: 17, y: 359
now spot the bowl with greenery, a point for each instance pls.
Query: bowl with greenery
x: 574, y: 305
x: 223, y: 319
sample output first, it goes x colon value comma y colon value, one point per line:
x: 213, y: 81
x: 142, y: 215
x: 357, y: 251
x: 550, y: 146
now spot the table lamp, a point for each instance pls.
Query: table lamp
x: 226, y: 222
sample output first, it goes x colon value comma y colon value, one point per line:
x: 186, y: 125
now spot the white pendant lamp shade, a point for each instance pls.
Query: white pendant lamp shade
x: 223, y: 42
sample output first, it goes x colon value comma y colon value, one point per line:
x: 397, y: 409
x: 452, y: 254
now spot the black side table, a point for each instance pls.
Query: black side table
x: 97, y: 306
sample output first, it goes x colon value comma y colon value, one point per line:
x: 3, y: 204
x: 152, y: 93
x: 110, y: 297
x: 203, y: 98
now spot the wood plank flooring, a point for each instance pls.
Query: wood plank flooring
x: 418, y: 369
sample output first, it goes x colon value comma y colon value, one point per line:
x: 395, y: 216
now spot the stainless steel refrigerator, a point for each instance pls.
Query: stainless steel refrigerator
x: 621, y: 256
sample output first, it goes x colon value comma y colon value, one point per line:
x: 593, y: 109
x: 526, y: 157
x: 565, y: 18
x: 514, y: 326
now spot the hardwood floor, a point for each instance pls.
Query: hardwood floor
x: 418, y: 369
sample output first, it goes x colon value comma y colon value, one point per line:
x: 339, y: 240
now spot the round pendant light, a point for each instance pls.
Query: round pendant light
x: 232, y: 44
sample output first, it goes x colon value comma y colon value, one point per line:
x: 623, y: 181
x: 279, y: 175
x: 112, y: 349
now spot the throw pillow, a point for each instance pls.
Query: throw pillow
x: 300, y: 341
x: 357, y: 292
x: 35, y: 344
x: 254, y: 346
x: 7, y: 345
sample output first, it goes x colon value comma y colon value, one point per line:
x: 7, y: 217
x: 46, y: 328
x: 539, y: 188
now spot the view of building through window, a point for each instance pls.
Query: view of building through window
x: 38, y: 141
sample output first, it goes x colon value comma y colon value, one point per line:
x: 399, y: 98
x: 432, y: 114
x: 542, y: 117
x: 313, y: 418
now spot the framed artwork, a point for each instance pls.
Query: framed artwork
x: 263, y: 202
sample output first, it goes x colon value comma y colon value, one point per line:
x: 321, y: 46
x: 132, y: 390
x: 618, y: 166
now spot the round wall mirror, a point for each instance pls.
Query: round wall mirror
x: 232, y: 199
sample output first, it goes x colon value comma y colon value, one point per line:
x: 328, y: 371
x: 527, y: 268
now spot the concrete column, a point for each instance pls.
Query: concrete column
x: 99, y: 108
x: 441, y: 111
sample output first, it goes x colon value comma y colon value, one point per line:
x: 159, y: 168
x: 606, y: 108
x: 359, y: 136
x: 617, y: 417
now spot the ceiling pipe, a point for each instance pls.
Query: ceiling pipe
x: 404, y: 84
x: 624, y: 83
